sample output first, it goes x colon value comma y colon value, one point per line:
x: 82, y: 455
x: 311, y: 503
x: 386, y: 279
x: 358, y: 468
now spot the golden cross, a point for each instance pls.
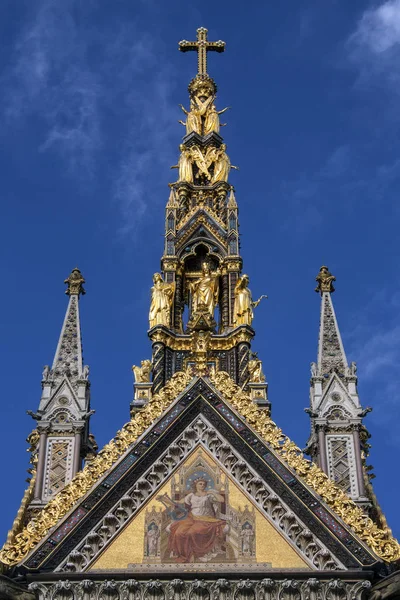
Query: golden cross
x: 202, y: 46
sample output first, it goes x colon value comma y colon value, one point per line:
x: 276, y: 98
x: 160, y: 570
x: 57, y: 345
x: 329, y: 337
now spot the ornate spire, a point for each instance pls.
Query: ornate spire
x: 68, y: 359
x: 200, y: 317
x: 331, y: 355
x: 64, y: 408
x: 338, y: 437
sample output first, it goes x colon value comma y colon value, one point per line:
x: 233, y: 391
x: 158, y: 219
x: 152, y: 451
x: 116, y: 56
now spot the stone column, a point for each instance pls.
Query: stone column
x: 41, y: 463
x: 77, y: 451
x: 225, y: 301
x: 158, y: 366
x: 243, y: 362
x: 322, y: 449
x: 359, y: 468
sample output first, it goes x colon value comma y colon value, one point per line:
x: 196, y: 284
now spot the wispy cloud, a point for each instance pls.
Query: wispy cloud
x: 50, y: 79
x: 101, y: 97
x: 374, y: 46
x: 375, y: 343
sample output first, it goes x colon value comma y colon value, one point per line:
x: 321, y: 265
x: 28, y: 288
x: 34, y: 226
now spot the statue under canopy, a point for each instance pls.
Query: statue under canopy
x: 161, y: 301
x: 205, y: 290
x: 243, y: 306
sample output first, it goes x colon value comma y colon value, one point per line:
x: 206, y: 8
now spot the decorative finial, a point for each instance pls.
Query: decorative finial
x: 74, y: 282
x: 202, y: 46
x: 325, y: 281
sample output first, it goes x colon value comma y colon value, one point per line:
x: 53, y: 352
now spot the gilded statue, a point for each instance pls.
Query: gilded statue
x: 324, y: 281
x: 201, y: 160
x: 255, y: 371
x: 185, y: 165
x: 222, y: 164
x: 198, y: 109
x: 142, y: 373
x: 162, y: 295
x: 211, y: 122
x: 74, y: 282
x: 205, y: 290
x: 243, y: 306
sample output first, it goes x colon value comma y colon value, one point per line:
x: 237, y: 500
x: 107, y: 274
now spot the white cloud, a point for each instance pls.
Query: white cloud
x: 101, y: 96
x: 378, y: 30
x: 374, y: 46
x: 375, y: 345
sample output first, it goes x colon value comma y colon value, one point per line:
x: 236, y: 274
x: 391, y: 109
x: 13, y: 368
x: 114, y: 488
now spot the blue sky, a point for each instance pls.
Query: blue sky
x: 89, y: 110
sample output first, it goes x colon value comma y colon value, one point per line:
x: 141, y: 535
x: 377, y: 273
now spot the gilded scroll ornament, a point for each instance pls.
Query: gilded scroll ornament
x: 324, y: 281
x: 162, y: 295
x: 380, y: 541
x: 243, y: 305
x: 22, y: 543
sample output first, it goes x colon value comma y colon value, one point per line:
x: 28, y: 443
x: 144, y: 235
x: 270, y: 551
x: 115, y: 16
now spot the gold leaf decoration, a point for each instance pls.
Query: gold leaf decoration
x: 15, y: 551
x: 379, y: 540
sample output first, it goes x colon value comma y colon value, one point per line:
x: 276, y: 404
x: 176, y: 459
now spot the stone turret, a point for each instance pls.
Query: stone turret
x: 64, y: 410
x: 338, y: 437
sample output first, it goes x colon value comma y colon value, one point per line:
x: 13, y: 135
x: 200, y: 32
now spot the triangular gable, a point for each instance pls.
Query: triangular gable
x: 120, y: 461
x: 63, y: 389
x: 271, y: 474
x: 335, y: 393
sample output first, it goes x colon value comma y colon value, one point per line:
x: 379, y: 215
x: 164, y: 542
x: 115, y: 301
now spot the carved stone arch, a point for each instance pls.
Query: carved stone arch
x: 213, y: 249
x: 337, y: 412
x: 62, y: 415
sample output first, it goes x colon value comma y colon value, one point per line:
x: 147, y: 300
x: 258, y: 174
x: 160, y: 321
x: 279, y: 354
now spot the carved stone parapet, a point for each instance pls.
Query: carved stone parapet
x: 228, y: 587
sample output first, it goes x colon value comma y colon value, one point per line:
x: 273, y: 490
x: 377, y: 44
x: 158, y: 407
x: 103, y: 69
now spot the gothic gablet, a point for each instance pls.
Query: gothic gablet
x: 200, y: 495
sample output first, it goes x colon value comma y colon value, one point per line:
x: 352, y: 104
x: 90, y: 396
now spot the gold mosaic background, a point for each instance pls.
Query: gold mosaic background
x: 128, y: 547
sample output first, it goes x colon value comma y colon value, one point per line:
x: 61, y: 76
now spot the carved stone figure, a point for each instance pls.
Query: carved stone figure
x: 324, y: 281
x: 161, y: 301
x: 46, y: 373
x: 255, y: 371
x: 212, y: 119
x: 205, y: 290
x: 142, y: 373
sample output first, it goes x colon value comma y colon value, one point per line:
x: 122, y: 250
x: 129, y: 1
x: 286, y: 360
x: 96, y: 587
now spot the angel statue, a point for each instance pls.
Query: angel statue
x: 142, y: 373
x: 222, y: 164
x: 325, y: 281
x: 243, y: 306
x: 205, y: 290
x: 162, y: 295
x: 212, y: 119
x: 185, y: 165
x: 198, y: 109
x: 255, y: 371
